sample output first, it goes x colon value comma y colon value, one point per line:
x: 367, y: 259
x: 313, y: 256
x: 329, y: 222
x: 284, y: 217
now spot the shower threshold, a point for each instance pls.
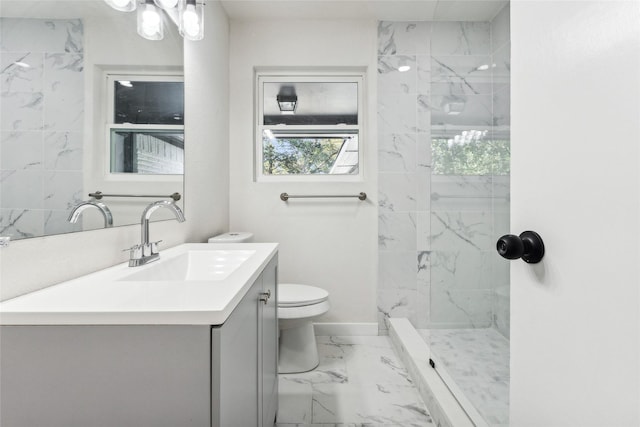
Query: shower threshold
x: 474, y: 363
x: 484, y: 402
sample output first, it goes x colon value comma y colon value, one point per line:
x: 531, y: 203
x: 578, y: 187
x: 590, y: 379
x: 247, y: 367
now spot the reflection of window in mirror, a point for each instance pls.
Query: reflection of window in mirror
x: 145, y: 124
x: 309, y: 126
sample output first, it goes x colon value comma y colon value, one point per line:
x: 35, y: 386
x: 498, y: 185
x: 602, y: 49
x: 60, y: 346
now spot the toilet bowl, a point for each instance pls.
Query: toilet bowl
x: 298, y: 305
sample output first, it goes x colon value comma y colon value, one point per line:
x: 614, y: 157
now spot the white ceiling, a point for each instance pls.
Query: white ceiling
x: 390, y: 10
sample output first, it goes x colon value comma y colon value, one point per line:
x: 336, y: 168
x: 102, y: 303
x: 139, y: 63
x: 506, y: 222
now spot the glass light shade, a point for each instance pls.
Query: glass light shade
x: 287, y: 103
x: 166, y: 4
x: 150, y: 25
x: 122, y: 5
x: 191, y: 20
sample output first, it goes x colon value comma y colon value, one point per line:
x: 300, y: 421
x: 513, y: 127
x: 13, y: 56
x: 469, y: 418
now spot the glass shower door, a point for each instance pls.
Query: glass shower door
x: 469, y: 283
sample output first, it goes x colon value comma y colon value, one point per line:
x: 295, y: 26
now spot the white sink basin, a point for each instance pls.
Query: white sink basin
x: 191, y: 284
x: 209, y: 265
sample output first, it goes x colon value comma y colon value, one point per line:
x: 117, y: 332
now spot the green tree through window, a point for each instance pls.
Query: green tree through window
x: 483, y: 157
x: 300, y: 155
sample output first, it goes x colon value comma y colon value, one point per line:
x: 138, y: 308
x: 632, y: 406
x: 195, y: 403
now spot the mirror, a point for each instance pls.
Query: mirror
x: 62, y: 66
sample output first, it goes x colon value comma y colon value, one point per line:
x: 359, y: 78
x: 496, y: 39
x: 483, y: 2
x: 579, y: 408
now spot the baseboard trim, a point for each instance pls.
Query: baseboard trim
x: 346, y: 329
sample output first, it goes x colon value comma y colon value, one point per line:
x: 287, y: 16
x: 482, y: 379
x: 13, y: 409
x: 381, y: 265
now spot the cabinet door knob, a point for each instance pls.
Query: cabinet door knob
x: 264, y: 296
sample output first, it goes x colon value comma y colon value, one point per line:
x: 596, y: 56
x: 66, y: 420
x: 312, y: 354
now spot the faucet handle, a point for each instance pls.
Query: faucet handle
x: 154, y: 247
x: 135, y: 251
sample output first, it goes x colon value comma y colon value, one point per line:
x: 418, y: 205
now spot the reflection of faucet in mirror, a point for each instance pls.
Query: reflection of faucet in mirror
x: 80, y: 207
x: 147, y: 252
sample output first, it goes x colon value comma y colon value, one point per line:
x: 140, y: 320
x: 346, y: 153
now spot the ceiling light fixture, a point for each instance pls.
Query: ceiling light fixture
x: 191, y: 20
x: 467, y: 137
x: 287, y: 103
x: 454, y: 108
x: 485, y: 67
x: 187, y: 14
x: 150, y: 25
x: 404, y: 68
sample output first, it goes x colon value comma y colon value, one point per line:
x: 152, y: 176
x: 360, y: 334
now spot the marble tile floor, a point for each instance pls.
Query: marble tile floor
x: 360, y: 382
x: 478, y: 361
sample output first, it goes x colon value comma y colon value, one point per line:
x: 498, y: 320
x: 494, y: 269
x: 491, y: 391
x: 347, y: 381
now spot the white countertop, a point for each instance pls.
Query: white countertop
x: 104, y: 298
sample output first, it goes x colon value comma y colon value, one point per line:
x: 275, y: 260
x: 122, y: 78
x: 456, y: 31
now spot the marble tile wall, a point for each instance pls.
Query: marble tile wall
x: 461, y: 233
x: 404, y: 169
x: 41, y: 124
x: 437, y: 262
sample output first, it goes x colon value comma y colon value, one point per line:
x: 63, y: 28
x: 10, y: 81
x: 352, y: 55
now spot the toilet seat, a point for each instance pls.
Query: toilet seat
x: 293, y: 295
x: 303, y: 312
x: 301, y: 301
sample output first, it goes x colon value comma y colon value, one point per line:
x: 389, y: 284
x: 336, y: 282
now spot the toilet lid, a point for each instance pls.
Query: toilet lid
x: 290, y: 295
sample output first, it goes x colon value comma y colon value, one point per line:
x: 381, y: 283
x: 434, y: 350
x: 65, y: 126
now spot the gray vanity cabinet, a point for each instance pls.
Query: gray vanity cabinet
x: 245, y: 385
x: 145, y: 375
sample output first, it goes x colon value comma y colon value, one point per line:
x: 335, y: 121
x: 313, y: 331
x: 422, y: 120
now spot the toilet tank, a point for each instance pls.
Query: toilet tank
x: 232, y: 237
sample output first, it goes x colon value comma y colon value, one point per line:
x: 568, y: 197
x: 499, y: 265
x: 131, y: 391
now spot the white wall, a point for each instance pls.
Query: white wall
x: 329, y: 243
x: 207, y: 128
x: 575, y: 162
x: 32, y: 264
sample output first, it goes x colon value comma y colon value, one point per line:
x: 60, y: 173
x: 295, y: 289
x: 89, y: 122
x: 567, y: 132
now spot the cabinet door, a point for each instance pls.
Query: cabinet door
x: 235, y: 365
x: 269, y: 345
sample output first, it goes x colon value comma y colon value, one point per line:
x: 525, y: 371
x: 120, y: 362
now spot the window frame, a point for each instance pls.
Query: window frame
x: 110, y: 78
x: 307, y: 76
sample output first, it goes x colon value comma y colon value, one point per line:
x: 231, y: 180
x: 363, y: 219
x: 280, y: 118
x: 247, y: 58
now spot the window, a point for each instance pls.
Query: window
x: 471, y: 152
x: 146, y: 124
x: 308, y: 125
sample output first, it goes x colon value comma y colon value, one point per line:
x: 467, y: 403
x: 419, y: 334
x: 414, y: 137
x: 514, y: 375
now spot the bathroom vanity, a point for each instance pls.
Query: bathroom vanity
x: 189, y: 340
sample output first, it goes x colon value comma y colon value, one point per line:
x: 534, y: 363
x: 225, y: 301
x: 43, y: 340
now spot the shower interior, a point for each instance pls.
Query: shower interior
x: 460, y: 306
x: 468, y: 323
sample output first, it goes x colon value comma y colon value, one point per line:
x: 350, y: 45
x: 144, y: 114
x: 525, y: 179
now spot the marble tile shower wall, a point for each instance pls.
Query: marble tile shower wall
x: 461, y: 210
x: 437, y: 264
x: 41, y: 124
x: 404, y: 170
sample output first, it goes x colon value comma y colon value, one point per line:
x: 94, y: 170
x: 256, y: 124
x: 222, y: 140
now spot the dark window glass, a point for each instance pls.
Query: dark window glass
x: 147, y: 151
x: 139, y: 102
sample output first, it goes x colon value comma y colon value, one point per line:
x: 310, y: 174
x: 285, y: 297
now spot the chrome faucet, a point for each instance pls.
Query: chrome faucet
x: 146, y: 251
x: 80, y: 207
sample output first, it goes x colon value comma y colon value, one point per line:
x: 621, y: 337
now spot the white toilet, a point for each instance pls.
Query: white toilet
x: 297, y: 306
